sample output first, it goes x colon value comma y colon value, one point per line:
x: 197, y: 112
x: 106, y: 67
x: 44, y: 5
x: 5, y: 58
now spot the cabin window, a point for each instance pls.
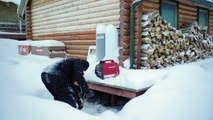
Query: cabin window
x: 169, y: 12
x: 203, y: 17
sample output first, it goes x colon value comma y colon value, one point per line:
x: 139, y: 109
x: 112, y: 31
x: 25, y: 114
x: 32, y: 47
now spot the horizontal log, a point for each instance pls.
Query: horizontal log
x: 190, y: 3
x: 124, y: 5
x: 125, y: 19
x: 125, y: 32
x: 126, y: 52
x: 76, y: 47
x: 70, y: 4
x: 155, y: 1
x: 64, y: 11
x: 186, y: 12
x: 137, y: 35
x: 137, y: 28
x: 127, y: 1
x: 151, y: 4
x: 124, y: 12
x: 189, y: 17
x: 81, y: 37
x: 77, y: 56
x: 145, y: 10
x: 81, y: 42
x: 124, y: 25
x: 77, y: 52
x: 126, y: 45
x: 78, y: 22
x: 40, y: 3
x: 187, y: 7
x: 70, y: 33
x: 71, y: 29
x: 73, y: 17
x: 187, y: 21
x: 125, y: 57
x: 125, y: 38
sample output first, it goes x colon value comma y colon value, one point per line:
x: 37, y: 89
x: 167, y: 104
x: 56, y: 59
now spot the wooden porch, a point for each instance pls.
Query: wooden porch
x: 115, y: 91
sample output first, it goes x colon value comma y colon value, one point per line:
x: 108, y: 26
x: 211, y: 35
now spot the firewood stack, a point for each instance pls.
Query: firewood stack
x: 163, y: 45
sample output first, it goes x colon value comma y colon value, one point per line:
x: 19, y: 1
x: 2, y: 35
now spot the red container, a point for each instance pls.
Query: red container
x: 24, y: 49
x: 107, y: 69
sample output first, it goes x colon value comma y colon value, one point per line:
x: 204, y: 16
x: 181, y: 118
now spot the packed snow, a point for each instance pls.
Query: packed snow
x: 182, y: 92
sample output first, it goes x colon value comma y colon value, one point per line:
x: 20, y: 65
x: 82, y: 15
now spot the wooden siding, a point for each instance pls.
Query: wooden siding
x: 28, y: 23
x: 72, y: 22
x: 211, y: 22
x: 147, y: 6
x: 124, y: 29
x: 77, y: 43
x: 187, y: 14
x: 56, y: 16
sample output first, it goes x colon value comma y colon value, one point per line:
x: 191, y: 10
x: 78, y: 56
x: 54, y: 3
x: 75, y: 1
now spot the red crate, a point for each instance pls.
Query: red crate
x: 24, y: 49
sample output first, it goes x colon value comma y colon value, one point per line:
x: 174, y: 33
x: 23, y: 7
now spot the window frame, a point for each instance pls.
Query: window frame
x: 198, y: 15
x: 176, y: 3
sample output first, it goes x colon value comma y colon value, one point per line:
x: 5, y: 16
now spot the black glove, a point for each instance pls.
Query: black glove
x: 80, y: 103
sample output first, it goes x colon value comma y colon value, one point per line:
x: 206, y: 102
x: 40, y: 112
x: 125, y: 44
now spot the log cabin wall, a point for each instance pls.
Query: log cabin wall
x: 124, y: 30
x: 187, y: 14
x: 211, y: 22
x: 72, y: 21
x: 147, y: 6
x: 28, y: 23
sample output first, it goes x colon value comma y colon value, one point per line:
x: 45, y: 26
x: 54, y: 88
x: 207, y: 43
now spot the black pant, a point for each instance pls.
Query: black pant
x: 60, y: 89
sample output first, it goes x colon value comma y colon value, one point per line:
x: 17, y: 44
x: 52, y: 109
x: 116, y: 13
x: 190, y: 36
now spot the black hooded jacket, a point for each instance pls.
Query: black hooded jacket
x: 71, y: 70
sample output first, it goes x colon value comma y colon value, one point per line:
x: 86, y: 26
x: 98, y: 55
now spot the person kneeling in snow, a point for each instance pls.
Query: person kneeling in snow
x: 59, y: 79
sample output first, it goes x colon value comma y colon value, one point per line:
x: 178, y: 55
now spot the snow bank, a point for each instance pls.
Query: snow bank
x: 7, y: 48
x: 129, y: 79
x: 185, y: 94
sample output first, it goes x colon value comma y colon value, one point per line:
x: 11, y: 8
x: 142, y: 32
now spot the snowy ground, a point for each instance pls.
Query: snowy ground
x: 183, y: 92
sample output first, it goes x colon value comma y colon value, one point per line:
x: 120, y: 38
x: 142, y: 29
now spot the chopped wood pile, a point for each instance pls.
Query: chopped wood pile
x: 163, y: 45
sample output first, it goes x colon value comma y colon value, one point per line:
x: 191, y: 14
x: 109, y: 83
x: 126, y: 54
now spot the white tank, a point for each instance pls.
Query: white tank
x: 111, y: 43
x: 100, y: 41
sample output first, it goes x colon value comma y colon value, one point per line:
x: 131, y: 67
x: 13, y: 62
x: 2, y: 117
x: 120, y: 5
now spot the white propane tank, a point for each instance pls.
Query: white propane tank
x: 100, y: 41
x: 111, y: 43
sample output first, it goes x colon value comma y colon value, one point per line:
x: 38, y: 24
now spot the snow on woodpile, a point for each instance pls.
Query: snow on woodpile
x: 163, y: 45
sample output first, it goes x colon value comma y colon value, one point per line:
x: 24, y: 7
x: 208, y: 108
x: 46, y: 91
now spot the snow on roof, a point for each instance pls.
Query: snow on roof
x: 47, y: 43
x: 26, y: 42
x: 14, y: 1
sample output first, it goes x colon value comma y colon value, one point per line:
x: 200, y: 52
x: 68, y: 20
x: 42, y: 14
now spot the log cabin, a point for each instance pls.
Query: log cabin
x: 74, y: 21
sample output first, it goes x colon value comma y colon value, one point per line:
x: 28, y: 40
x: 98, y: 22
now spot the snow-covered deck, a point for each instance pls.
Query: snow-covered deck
x: 115, y: 89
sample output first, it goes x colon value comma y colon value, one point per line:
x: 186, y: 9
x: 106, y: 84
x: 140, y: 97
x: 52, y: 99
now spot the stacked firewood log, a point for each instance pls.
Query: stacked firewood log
x: 163, y: 45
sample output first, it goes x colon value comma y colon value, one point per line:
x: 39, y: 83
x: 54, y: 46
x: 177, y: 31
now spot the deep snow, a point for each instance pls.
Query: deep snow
x: 182, y: 92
